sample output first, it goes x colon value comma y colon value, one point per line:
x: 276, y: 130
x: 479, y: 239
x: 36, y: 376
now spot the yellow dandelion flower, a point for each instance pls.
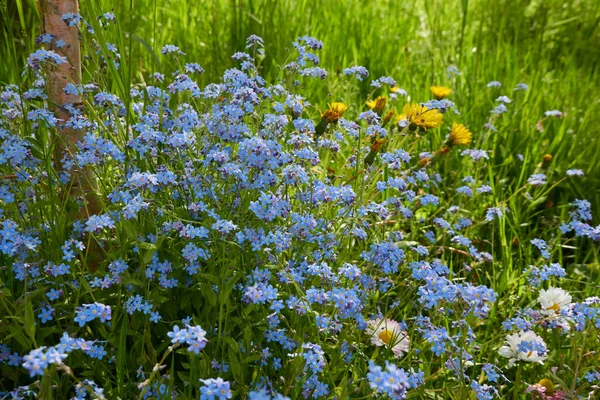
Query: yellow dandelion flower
x: 378, y: 104
x: 335, y: 111
x: 460, y: 134
x: 338, y: 107
x: 423, y: 162
x: 440, y: 91
x: 377, y: 144
x: 388, y: 116
x: 422, y: 116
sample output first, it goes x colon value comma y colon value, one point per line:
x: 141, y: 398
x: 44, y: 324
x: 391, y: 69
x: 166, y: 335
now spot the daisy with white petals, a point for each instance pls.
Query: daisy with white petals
x: 553, y: 300
x: 555, y: 304
x: 387, y: 332
x: 524, y: 346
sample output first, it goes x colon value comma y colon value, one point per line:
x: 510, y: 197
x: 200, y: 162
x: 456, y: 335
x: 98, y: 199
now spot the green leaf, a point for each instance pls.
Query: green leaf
x: 122, y: 352
x: 232, y: 343
x: 29, y: 319
x: 236, y: 367
x: 208, y: 293
x: 130, y: 230
x: 149, y: 48
x: 131, y: 281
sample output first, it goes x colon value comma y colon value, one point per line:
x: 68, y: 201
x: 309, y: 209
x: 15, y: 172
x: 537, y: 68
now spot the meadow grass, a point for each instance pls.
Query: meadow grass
x: 546, y: 44
x: 549, y: 45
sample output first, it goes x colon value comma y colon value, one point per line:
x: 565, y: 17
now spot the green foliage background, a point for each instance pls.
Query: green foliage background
x: 550, y: 45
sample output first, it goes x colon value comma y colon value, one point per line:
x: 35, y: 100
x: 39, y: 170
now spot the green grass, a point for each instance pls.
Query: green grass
x: 546, y: 44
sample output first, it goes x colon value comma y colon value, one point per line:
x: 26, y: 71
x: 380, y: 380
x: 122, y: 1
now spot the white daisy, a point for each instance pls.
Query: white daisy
x: 387, y: 332
x: 553, y: 300
x: 511, y: 351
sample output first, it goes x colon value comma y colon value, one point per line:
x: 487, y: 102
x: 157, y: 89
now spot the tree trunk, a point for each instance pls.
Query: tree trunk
x: 83, y: 183
x: 51, y: 12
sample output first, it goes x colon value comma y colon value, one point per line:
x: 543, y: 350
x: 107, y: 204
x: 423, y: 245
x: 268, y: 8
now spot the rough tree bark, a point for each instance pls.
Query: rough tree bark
x: 83, y: 183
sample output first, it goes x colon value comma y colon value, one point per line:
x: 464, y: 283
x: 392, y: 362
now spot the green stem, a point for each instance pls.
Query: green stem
x: 517, y: 382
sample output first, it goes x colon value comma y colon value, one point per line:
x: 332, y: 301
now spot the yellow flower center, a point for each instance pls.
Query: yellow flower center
x: 386, y: 336
x: 547, y: 384
x: 554, y: 307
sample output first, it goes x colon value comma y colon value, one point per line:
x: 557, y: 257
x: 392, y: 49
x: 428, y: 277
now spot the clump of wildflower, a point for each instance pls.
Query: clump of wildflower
x: 521, y: 86
x: 499, y: 109
x: 383, y: 80
x: 491, y: 372
x: 392, y: 381
x: 543, y: 247
x: 452, y: 71
x: 539, y: 275
x: 37, y: 360
x: 593, y: 376
x: 359, y: 72
x: 385, y: 255
x: 137, y: 302
x: 578, y: 224
x: 494, y: 212
x: 89, y: 312
x: 96, y: 223
x: 553, y: 113
x: 38, y: 57
x: 214, y: 389
x: 537, y: 179
x: 314, y: 357
x: 575, y: 172
x: 171, y: 49
x: 193, y: 336
x: 475, y: 154
x: 484, y: 392
x: 82, y: 388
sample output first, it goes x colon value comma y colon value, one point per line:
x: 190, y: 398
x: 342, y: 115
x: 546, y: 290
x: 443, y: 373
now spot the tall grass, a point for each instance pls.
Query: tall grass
x: 547, y: 44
